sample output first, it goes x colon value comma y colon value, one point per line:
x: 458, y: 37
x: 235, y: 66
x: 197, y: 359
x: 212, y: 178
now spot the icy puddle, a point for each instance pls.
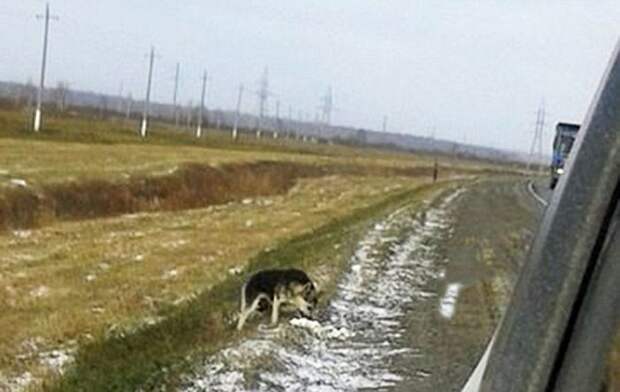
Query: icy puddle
x: 359, y: 334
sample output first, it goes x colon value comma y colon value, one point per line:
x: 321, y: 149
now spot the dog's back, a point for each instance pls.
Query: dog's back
x: 266, y: 281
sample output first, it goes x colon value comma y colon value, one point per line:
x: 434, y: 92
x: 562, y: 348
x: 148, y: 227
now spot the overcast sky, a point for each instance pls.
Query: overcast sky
x: 468, y: 69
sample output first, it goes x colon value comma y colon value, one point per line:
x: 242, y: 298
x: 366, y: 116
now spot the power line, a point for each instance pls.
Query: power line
x: 263, y: 94
x: 536, y: 149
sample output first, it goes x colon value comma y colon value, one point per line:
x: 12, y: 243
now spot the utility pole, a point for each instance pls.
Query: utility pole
x: 301, y: 119
x: 263, y: 94
x: 145, y: 115
x: 129, y: 105
x: 317, y: 125
x: 536, y: 149
x: 275, y: 134
x: 326, y: 109
x: 289, y: 128
x: 119, y: 108
x: 431, y: 136
x: 189, y: 114
x: 327, y: 106
x: 237, y: 113
x: 37, y: 113
x: 202, y: 105
x: 174, y: 96
x: 384, y: 125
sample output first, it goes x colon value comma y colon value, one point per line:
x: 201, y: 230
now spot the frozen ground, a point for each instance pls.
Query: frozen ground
x: 492, y: 226
x: 414, y: 311
x: 359, y: 336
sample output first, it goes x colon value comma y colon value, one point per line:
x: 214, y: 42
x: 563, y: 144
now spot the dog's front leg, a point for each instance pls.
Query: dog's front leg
x: 244, y: 314
x: 274, y: 310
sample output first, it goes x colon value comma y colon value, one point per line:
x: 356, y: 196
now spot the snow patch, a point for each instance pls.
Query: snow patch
x: 17, y: 383
x: 322, y: 331
x: 22, y: 233
x: 56, y: 360
x: 18, y: 182
x: 170, y: 274
x: 353, y: 343
x: 447, y: 305
x: 40, y: 292
x: 235, y: 270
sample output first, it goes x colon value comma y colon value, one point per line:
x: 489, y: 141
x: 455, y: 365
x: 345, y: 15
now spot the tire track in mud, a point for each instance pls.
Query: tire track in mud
x: 357, y: 339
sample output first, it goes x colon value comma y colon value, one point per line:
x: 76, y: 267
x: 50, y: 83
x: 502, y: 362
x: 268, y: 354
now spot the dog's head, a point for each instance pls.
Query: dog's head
x: 306, y: 299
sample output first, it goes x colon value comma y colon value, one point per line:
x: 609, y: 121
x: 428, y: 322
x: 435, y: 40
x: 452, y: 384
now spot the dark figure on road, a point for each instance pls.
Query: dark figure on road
x: 435, y: 171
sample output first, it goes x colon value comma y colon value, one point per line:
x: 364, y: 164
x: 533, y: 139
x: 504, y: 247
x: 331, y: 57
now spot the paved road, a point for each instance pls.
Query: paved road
x: 540, y: 191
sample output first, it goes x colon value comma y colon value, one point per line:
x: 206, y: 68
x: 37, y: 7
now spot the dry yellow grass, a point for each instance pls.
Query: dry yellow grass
x: 72, y: 280
x: 44, y: 162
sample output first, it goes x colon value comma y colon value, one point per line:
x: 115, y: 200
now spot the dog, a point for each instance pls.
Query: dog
x: 277, y: 287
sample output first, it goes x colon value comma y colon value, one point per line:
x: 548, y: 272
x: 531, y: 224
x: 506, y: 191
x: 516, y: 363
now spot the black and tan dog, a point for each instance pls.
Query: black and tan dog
x: 277, y: 287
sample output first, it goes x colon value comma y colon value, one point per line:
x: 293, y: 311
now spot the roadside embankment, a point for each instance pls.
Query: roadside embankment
x: 189, y: 186
x: 156, y: 354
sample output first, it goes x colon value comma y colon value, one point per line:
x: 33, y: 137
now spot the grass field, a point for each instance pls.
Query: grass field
x: 85, y: 147
x: 124, y: 290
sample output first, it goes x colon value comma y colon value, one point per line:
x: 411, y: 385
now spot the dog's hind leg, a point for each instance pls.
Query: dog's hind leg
x: 243, y: 304
x: 246, y: 313
x: 242, y: 312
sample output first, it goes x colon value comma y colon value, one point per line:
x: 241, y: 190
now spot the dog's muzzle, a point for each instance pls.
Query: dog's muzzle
x: 309, y: 313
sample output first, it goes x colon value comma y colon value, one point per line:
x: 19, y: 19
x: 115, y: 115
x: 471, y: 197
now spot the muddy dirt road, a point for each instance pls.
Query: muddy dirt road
x: 493, y: 224
x: 414, y: 311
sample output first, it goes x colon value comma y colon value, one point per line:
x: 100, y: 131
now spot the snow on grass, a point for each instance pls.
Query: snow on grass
x: 350, y: 347
x: 54, y: 361
x: 40, y: 292
x: 57, y: 360
x: 16, y: 383
x: 18, y: 182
